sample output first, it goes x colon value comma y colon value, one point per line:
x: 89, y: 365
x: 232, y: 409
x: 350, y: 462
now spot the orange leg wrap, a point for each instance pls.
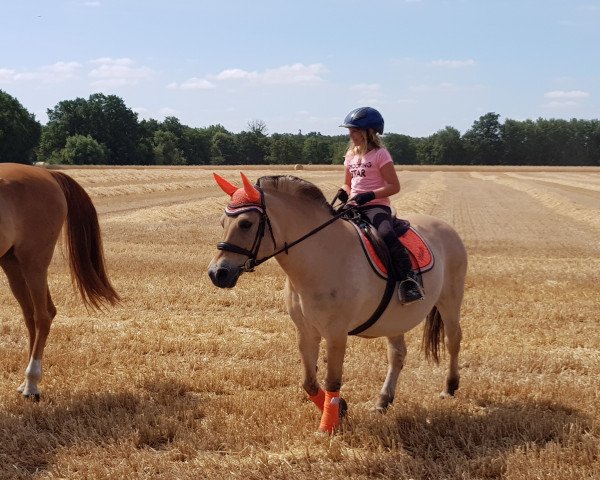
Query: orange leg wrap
x: 331, y: 412
x: 318, y: 399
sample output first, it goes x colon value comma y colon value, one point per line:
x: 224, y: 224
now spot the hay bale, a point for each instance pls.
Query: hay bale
x: 298, y: 167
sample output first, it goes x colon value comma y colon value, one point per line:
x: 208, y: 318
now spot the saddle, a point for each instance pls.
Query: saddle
x: 376, y: 251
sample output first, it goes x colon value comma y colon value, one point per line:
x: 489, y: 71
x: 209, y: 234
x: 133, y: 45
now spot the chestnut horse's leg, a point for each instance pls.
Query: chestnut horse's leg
x: 396, y: 353
x: 43, y: 314
x: 28, y: 282
x: 19, y: 288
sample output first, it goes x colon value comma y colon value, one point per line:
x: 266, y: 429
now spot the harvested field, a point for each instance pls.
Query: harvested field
x: 184, y: 380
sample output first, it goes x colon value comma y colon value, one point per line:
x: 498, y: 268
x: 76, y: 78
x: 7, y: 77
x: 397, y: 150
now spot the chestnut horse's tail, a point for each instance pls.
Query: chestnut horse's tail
x: 433, y: 335
x: 84, y: 244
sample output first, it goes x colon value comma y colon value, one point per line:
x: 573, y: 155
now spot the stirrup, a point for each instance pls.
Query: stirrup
x: 410, y: 291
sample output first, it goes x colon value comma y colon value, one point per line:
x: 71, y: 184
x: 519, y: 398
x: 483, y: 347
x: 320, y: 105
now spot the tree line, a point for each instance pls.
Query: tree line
x: 102, y: 130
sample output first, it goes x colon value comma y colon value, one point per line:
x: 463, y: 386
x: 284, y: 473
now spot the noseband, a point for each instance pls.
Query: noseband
x: 253, y: 261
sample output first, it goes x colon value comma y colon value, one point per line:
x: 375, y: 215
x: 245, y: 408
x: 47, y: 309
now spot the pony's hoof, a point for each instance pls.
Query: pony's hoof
x: 383, y: 403
x: 34, y: 397
x: 446, y: 395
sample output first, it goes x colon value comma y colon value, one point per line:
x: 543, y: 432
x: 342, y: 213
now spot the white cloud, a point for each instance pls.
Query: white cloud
x: 118, y: 72
x: 295, y: 74
x: 566, y: 95
x: 196, y: 84
x: 55, y: 73
x: 564, y: 99
x: 7, y: 75
x: 236, y: 74
x: 453, y: 63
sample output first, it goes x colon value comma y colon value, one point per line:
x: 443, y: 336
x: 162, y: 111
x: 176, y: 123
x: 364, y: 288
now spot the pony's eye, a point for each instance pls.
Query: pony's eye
x: 245, y: 224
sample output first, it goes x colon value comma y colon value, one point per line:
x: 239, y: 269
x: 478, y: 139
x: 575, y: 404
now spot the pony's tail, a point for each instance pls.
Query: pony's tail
x: 84, y: 245
x: 433, y: 335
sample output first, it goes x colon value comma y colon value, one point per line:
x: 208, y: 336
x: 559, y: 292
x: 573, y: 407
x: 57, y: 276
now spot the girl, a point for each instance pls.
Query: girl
x: 369, y: 182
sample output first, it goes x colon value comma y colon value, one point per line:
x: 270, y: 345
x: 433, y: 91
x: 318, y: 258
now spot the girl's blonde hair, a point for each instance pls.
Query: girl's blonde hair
x: 371, y: 141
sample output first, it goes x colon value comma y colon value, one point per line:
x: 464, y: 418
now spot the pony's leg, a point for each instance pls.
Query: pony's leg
x: 453, y: 336
x: 336, y: 350
x: 308, y: 345
x: 334, y: 407
x: 20, y: 290
x: 396, y: 353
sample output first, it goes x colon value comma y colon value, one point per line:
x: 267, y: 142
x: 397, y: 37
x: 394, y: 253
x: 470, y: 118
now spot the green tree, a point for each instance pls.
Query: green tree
x: 339, y: 147
x: 19, y: 131
x: 224, y: 149
x: 103, y: 117
x: 425, y: 148
x: 81, y: 150
x: 589, y: 133
x: 253, y: 145
x: 402, y: 148
x: 521, y: 143
x: 483, y: 141
x: 448, y: 147
x: 196, y: 146
x: 285, y: 149
x: 166, y: 151
x: 316, y: 149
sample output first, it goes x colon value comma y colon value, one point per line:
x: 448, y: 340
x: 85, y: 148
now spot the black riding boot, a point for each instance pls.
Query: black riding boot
x: 409, y: 289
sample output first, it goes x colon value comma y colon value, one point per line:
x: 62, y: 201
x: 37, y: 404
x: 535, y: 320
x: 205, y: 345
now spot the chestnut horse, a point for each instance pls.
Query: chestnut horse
x: 331, y: 288
x: 34, y: 203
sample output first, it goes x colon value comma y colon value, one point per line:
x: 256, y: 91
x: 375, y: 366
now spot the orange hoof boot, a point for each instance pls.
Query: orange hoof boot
x: 334, y: 408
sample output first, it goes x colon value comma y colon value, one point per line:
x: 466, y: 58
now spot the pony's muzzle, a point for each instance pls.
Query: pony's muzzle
x: 223, y: 276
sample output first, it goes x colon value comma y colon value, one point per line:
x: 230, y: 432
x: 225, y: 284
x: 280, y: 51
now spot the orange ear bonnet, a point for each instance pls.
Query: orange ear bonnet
x: 242, y: 199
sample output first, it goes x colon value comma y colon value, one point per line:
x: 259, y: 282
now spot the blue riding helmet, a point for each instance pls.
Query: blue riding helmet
x: 364, y: 118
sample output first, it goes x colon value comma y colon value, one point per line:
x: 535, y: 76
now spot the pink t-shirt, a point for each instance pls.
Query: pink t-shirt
x: 366, y: 174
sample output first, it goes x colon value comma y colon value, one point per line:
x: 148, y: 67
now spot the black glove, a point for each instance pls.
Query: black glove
x: 342, y: 195
x: 363, y: 198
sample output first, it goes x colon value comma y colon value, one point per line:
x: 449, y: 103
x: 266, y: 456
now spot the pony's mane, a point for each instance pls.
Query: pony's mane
x: 295, y: 186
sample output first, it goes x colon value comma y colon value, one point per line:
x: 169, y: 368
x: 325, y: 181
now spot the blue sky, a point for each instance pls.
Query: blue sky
x: 302, y: 65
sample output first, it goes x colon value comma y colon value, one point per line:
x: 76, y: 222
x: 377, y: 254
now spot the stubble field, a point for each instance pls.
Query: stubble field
x: 184, y: 380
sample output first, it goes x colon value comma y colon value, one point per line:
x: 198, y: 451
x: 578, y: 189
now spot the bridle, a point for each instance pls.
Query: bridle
x: 252, y: 253
x: 248, y: 265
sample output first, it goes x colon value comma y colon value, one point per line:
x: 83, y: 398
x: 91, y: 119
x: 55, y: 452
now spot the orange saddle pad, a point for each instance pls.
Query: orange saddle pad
x: 420, y: 254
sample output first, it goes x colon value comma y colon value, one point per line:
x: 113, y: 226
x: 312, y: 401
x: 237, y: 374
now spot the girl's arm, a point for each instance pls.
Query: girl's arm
x: 392, y: 184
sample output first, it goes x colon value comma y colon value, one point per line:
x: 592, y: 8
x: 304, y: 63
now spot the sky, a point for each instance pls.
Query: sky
x: 301, y: 66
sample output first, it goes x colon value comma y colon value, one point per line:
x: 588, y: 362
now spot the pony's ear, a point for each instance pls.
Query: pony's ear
x: 227, y: 187
x: 251, y: 192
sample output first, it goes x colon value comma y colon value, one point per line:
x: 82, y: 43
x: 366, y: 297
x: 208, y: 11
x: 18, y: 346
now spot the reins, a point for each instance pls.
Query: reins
x: 287, y: 246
